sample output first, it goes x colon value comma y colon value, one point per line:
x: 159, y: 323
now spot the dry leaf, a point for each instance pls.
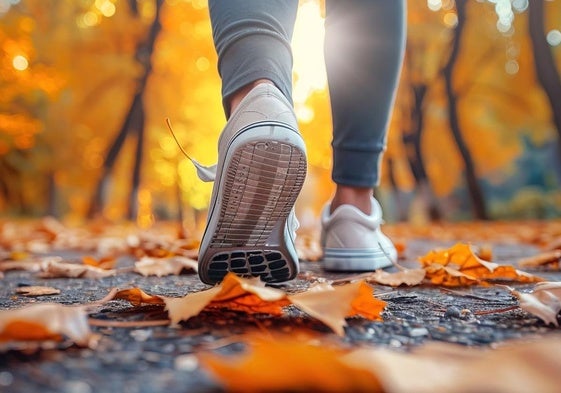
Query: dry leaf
x: 331, y: 305
x: 54, y: 267
x: 459, y: 265
x: 286, y: 365
x: 102, y: 263
x: 249, y: 295
x: 137, y: 297
x: 148, y: 266
x: 235, y: 293
x: 45, y: 321
x: 549, y: 259
x: 517, y: 367
x: 26, y: 265
x: 37, y: 291
x: 181, y: 309
x: 544, y: 301
x: 403, y: 277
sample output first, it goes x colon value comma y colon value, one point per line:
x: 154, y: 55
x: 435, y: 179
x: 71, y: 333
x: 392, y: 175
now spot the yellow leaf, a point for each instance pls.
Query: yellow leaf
x: 331, y: 305
x: 459, y: 265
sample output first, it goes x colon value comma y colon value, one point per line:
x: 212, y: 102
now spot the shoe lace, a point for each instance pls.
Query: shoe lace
x: 208, y: 174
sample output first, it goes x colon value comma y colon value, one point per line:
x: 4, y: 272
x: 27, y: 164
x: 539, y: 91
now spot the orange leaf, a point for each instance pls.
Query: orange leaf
x: 249, y: 295
x: 284, y: 364
x: 45, y: 321
x: 137, y: 297
x: 459, y: 265
x: 331, y: 305
x: 27, y: 331
x: 102, y: 263
x: 366, y: 305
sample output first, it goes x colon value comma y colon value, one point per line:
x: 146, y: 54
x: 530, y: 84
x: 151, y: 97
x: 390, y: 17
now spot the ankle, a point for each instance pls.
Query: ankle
x: 239, y: 95
x: 354, y: 196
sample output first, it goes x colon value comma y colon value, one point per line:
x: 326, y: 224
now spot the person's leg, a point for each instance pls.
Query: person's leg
x: 364, y: 44
x: 252, y: 40
x: 261, y: 155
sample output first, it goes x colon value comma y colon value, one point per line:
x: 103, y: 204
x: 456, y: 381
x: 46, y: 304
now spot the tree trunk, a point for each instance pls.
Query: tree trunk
x: 134, y: 123
x: 546, y: 70
x: 474, y: 189
x: 412, y: 141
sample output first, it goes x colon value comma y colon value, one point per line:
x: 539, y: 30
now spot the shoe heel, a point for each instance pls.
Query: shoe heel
x: 262, y: 180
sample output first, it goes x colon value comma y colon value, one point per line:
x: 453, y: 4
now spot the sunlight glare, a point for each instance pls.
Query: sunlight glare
x: 20, y: 63
x: 307, y: 46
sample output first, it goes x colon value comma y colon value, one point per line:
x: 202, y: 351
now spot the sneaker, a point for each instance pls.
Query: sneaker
x: 260, y: 172
x: 353, y: 241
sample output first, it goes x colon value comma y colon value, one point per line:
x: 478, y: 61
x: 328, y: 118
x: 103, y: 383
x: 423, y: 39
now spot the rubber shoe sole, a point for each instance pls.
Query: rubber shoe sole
x: 247, y: 233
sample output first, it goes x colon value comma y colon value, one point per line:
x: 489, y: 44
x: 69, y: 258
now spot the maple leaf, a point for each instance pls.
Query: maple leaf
x: 459, y: 266
x: 544, y: 301
x: 45, y: 321
x: 286, y: 364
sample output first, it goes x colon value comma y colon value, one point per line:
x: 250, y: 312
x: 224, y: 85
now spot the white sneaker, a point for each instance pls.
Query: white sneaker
x: 260, y: 172
x: 353, y: 241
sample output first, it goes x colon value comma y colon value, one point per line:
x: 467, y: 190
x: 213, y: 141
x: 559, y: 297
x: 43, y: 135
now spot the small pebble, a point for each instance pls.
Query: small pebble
x: 141, y: 335
x: 419, y: 332
x: 453, y: 312
x: 76, y: 387
x: 6, y: 378
x: 186, y: 363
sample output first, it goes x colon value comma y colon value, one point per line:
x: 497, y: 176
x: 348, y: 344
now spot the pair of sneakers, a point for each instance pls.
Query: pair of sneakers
x: 251, y: 225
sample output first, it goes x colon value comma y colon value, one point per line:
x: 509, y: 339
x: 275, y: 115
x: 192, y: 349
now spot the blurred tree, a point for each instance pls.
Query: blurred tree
x: 475, y: 191
x: 133, y: 124
x: 546, y: 69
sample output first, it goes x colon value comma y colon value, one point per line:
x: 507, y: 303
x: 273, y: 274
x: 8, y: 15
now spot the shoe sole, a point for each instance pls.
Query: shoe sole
x: 262, y: 175
x: 355, y: 260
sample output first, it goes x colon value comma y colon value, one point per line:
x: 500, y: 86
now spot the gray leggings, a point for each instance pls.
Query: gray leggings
x: 364, y: 45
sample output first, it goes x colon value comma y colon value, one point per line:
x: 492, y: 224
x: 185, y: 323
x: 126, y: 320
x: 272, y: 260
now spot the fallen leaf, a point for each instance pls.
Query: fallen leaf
x: 515, y: 367
x: 324, y: 302
x: 331, y: 305
x: 405, y: 276
x: 235, y: 293
x: 283, y: 364
x: 148, y: 266
x: 181, y: 309
x: 544, y: 301
x: 137, y: 297
x: 54, y: 267
x: 45, y: 321
x: 549, y: 259
x: 26, y: 265
x: 102, y: 263
x: 459, y: 265
x: 37, y: 291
